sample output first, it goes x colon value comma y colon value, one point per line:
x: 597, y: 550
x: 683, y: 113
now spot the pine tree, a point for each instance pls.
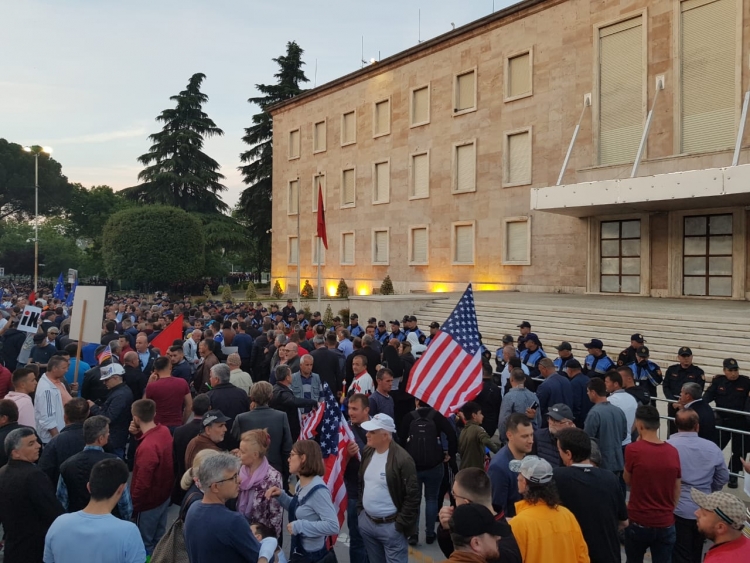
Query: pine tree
x: 207, y: 292
x: 251, y: 293
x: 178, y: 172
x: 277, y: 292
x: 342, y: 290
x: 255, y: 200
x: 386, y: 288
x: 328, y: 316
x: 307, y: 291
x: 226, y: 293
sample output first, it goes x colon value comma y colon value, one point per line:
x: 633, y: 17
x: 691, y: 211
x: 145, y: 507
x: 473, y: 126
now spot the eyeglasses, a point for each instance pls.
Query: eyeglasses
x: 468, y: 501
x: 235, y: 478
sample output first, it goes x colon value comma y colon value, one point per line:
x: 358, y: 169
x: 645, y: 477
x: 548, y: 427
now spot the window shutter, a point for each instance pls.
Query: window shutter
x: 519, y: 158
x: 517, y: 241
x: 465, y: 91
x: 382, y: 181
x: 348, y: 187
x: 708, y: 71
x: 293, y: 248
x: 464, y: 252
x: 320, y: 136
x: 420, y: 175
x: 381, y: 247
x: 349, y: 128
x: 519, y: 75
x: 382, y: 117
x: 621, y: 95
x: 419, y: 245
x: 294, y: 144
x: 420, y: 105
x: 465, y: 167
x: 319, y: 180
x: 293, y: 196
x: 348, y: 251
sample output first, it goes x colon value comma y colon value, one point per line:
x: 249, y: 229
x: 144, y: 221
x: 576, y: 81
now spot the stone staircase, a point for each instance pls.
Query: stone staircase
x: 714, y: 330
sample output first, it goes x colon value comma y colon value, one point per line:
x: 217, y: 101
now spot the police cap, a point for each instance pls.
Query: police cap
x: 731, y: 364
x: 564, y: 346
x: 685, y: 352
x: 642, y: 352
x: 637, y: 338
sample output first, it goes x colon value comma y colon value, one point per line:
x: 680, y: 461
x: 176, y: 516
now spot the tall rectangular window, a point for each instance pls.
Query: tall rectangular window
x: 418, y: 246
x: 518, y: 77
x: 516, y: 242
x: 420, y: 106
x: 348, y: 188
x: 381, y: 182
x: 465, y: 94
x: 294, y: 144
x: 620, y: 91
x: 293, y: 198
x: 708, y: 72
x: 319, y: 136
x: 621, y: 256
x: 380, y: 246
x: 464, y: 168
x: 463, y: 243
x: 347, y: 249
x: 348, y: 128
x: 319, y: 180
x: 517, y: 158
x: 419, y: 181
x: 382, y: 118
x: 707, y: 255
x: 292, y: 251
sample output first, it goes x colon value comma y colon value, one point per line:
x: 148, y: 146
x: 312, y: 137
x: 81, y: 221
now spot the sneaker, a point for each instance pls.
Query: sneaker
x: 431, y: 539
x: 413, y: 539
x: 732, y: 482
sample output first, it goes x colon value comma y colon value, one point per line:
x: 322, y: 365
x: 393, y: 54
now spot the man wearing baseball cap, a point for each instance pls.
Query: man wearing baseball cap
x: 524, y: 328
x: 544, y: 529
x: 645, y: 372
x: 559, y: 417
x: 475, y: 534
x: 213, y: 428
x: 597, y: 363
x: 389, y: 493
x: 564, y: 355
x: 354, y: 328
x: 627, y: 356
x: 116, y: 407
x: 532, y: 354
x: 721, y: 517
x: 434, y: 327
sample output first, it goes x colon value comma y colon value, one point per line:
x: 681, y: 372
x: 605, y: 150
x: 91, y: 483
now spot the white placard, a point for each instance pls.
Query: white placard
x: 94, y: 296
x: 30, y: 319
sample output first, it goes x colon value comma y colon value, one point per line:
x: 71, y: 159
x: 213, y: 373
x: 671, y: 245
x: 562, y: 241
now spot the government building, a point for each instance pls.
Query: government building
x: 574, y: 146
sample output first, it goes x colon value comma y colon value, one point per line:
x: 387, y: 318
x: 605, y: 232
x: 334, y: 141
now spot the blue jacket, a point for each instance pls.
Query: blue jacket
x: 581, y: 404
x: 531, y: 359
x: 651, y: 373
x: 555, y: 389
x: 597, y: 367
x: 560, y: 364
x: 315, y: 385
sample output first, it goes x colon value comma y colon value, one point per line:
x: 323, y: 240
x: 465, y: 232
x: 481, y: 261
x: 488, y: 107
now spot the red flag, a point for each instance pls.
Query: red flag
x: 322, y: 218
x: 32, y: 295
x: 168, y: 336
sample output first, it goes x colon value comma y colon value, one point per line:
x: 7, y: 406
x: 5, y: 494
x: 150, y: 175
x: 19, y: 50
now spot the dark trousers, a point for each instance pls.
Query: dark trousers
x: 430, y: 480
x: 357, y: 551
x: 639, y: 539
x: 689, y: 545
x: 740, y: 442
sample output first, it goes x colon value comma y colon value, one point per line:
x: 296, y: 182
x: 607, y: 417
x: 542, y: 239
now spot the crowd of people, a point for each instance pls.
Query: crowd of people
x: 556, y: 459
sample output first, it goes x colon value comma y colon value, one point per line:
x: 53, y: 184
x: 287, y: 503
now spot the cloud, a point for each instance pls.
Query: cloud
x: 102, y: 137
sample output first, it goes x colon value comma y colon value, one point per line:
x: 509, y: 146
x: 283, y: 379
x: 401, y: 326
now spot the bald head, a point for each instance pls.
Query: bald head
x: 130, y: 359
x: 686, y: 420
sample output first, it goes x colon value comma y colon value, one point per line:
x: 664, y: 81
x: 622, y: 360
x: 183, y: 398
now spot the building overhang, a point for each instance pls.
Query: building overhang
x: 692, y: 189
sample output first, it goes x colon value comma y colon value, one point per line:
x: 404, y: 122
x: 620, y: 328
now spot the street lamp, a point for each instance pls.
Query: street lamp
x: 36, y: 150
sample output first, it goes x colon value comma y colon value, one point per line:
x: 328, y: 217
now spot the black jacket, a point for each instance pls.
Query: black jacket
x: 116, y: 408
x: 707, y: 420
x: 4, y: 431
x: 181, y: 438
x: 373, y: 359
x: 277, y: 425
x: 489, y: 399
x: 75, y: 472
x: 545, y: 446
x: 149, y: 367
x: 506, y: 545
x: 136, y: 380
x: 92, y: 387
x: 326, y: 365
x: 260, y: 366
x: 284, y: 400
x: 28, y: 506
x: 232, y: 402
x: 183, y: 371
x: 66, y: 444
x: 13, y: 340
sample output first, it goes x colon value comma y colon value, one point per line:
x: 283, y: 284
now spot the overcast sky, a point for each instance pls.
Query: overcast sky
x: 88, y: 77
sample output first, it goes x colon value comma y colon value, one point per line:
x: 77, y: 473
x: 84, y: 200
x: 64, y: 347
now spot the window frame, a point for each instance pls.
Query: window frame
x: 506, y: 74
x: 343, y: 128
x: 289, y: 239
x: 506, y: 157
x: 387, y: 231
x: 454, y: 225
x: 354, y: 203
x: 410, y: 244
x: 289, y: 144
x: 354, y: 249
x: 314, y: 205
x: 289, y: 211
x: 374, y: 181
x: 454, y: 166
x: 457, y: 112
x: 504, y: 257
x: 411, y: 184
x: 375, y: 134
x: 412, y: 123
x: 324, y: 121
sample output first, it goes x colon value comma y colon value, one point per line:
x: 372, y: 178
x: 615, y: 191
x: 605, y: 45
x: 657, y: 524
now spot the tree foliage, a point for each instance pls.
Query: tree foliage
x: 342, y: 290
x: 178, y: 172
x: 156, y: 244
x: 57, y: 249
x: 386, y: 288
x: 277, y: 292
x: 307, y: 290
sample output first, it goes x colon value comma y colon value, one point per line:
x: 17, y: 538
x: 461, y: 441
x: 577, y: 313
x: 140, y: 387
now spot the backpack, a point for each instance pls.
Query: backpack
x: 423, y: 443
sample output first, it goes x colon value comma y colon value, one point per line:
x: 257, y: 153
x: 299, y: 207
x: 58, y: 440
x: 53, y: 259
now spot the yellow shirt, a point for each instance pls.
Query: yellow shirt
x: 547, y: 534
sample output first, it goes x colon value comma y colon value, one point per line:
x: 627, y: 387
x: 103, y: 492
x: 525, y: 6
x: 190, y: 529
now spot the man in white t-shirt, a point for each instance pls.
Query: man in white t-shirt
x: 362, y: 382
x: 621, y: 398
x: 389, y: 494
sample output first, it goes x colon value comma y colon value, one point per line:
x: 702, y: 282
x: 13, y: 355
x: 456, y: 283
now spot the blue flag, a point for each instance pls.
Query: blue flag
x: 59, y: 292
x: 71, y: 295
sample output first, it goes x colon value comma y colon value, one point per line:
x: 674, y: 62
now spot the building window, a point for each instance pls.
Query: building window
x: 419, y: 176
x: 621, y: 256
x: 518, y: 76
x: 707, y: 255
x: 464, y: 167
x: 292, y: 204
x: 380, y: 246
x: 708, y: 75
x: 381, y: 182
x: 314, y: 253
x: 465, y: 92
x: 420, y: 106
x: 348, y: 187
x: 347, y: 249
x: 381, y: 118
x: 517, y: 241
x: 620, y: 91
x: 319, y: 136
x: 319, y: 180
x: 517, y: 168
x: 463, y: 243
x: 418, y: 244
x: 294, y: 140
x: 348, y: 128
x: 292, y: 249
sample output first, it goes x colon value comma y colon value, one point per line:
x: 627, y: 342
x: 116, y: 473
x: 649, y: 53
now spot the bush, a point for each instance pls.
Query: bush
x: 328, y: 317
x: 251, y: 293
x: 308, y: 312
x: 207, y: 293
x: 277, y: 292
x: 344, y: 314
x: 386, y: 288
x: 307, y: 291
x: 226, y: 293
x: 342, y: 290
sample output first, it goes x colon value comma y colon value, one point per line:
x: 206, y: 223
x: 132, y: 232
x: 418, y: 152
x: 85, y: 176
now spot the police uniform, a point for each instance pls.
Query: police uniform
x: 531, y: 360
x: 597, y: 366
x: 303, y: 323
x: 628, y: 355
x: 382, y: 337
x: 356, y: 331
x: 734, y: 395
x: 646, y: 373
x: 560, y: 362
x: 677, y: 376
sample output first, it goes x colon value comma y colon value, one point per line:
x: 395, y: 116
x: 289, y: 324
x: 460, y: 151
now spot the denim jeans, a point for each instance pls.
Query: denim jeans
x: 357, y: 551
x: 430, y: 479
x: 659, y: 540
x: 153, y: 524
x: 383, y: 542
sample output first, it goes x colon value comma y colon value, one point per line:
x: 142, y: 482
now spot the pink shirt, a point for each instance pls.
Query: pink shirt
x: 25, y: 408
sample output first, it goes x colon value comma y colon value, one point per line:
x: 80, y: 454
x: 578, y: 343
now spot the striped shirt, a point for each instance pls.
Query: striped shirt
x: 48, y: 409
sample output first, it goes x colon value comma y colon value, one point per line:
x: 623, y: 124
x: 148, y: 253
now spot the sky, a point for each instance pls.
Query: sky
x: 89, y: 77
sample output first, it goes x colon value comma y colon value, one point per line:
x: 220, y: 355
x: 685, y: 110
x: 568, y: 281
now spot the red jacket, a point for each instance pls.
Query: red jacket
x: 153, y: 470
x: 5, y: 381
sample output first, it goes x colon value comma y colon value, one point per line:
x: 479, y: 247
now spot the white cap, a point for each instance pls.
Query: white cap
x: 379, y: 422
x: 110, y: 370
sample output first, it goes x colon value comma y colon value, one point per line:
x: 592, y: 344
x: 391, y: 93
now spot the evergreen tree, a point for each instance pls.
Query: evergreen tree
x: 178, y: 172
x: 255, y: 200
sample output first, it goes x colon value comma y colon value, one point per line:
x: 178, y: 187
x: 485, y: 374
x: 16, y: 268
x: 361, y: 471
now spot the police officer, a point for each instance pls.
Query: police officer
x: 396, y: 331
x: 531, y: 355
x: 316, y: 320
x: 628, y: 355
x: 381, y: 334
x: 640, y: 394
x: 301, y: 320
x: 289, y: 309
x: 732, y: 391
x: 564, y: 355
x: 354, y: 327
x: 524, y: 328
x: 414, y: 328
x: 434, y: 328
x: 500, y: 362
x: 676, y: 376
x: 597, y: 363
x: 645, y: 372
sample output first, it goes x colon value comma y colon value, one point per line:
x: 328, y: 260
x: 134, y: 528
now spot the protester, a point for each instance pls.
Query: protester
x: 474, y: 439
x: 608, y: 424
x: 68, y: 442
x: 520, y: 436
x: 237, y: 377
x: 24, y: 384
x: 518, y: 399
x: 183, y: 435
x: 380, y: 400
x: 170, y: 394
x: 116, y: 407
x: 230, y: 400
x: 358, y: 409
x: 559, y: 417
x: 721, y: 517
x: 285, y: 401
x: 475, y: 534
x: 189, y: 482
x: 49, y: 399
x: 8, y: 423
x: 213, y: 429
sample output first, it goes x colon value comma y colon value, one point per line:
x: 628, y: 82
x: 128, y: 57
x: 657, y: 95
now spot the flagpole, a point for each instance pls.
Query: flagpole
x: 319, y: 274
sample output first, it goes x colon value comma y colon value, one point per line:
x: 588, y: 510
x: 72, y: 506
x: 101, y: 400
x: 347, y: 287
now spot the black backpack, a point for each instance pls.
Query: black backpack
x: 423, y: 443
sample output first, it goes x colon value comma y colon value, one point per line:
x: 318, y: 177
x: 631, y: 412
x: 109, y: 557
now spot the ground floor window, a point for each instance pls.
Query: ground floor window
x: 707, y: 255
x: 621, y: 256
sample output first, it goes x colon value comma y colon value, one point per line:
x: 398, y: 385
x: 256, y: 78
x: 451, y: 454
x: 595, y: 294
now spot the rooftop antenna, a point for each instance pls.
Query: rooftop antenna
x: 315, y: 78
x: 362, y: 55
x: 453, y: 25
x: 419, y: 33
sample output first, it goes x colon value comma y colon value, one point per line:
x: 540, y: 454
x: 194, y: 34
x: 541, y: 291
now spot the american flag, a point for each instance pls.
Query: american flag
x: 327, y: 423
x: 105, y: 355
x: 449, y: 373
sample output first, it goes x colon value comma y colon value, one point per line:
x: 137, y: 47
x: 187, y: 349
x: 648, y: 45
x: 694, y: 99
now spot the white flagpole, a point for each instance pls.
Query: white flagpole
x: 319, y: 285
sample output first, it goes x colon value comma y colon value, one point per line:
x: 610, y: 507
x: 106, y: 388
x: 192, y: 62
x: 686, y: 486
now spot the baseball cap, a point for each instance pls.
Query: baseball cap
x: 637, y: 338
x: 354, y: 316
x: 508, y: 339
x: 39, y: 338
x: 729, y: 363
x: 372, y: 320
x: 573, y: 364
x: 564, y: 346
x: 727, y: 507
x: 560, y: 411
x: 264, y: 310
x: 470, y: 520
x: 290, y: 300
x: 595, y: 343
x: 641, y: 351
x: 112, y: 369
x: 379, y: 422
x: 533, y: 468
x: 434, y: 324
x: 292, y: 315
x: 300, y: 312
x: 531, y: 337
x: 316, y: 314
x: 213, y: 416
x: 524, y: 324
x: 381, y: 323
x: 412, y: 318
x: 405, y: 319
x: 337, y: 319
x: 395, y: 322
x: 684, y: 351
